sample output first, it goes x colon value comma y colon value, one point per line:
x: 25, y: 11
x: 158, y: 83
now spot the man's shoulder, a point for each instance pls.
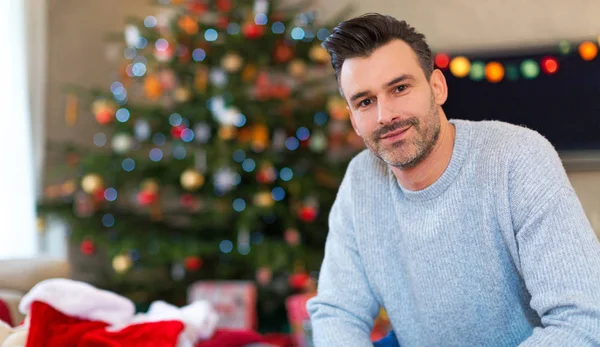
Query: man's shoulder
x: 503, y: 138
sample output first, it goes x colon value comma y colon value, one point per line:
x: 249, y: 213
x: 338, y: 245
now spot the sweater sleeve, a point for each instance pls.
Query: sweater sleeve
x: 560, y: 260
x: 559, y: 253
x: 343, y: 311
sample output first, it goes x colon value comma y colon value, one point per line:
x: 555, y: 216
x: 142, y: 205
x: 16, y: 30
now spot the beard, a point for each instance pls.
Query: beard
x: 407, y: 153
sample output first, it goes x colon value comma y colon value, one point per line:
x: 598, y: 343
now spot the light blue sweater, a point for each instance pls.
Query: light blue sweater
x: 497, y: 252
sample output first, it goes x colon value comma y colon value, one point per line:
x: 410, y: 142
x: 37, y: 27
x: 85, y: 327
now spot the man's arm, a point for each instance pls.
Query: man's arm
x: 343, y: 311
x: 558, y: 251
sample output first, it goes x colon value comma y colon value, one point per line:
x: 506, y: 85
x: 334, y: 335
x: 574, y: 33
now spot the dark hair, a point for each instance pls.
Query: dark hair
x: 360, y: 36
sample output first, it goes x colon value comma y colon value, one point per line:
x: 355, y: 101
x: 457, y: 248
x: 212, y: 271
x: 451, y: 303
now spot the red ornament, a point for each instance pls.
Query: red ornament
x: 197, y: 7
x: 177, y: 131
x: 146, y: 197
x: 192, y: 263
x: 266, y: 175
x: 299, y: 280
x: 222, y: 22
x: 224, y: 5
x: 283, y: 53
x: 549, y: 65
x: 99, y: 195
x: 252, y: 30
x: 442, y: 60
x: 87, y: 247
x: 307, y: 214
x: 292, y: 237
x: 187, y: 200
x: 263, y: 276
x: 104, y: 116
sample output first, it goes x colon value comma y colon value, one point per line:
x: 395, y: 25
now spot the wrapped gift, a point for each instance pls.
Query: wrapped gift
x: 302, y: 329
x: 299, y: 319
x: 235, y: 301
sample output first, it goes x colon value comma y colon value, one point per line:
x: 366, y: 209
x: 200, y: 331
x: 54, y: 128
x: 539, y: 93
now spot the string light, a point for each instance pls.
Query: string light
x: 122, y: 115
x: 198, y: 54
x: 512, y: 72
x: 320, y: 118
x: 226, y: 246
x: 477, y: 72
x: 233, y: 28
x: 460, y: 66
x: 110, y: 194
x: 286, y: 174
x: 159, y: 139
x: 211, y: 35
x: 100, y: 139
x: 239, y: 155
x: 278, y: 193
x: 494, y: 72
x: 239, y: 204
x: 128, y: 164
x: 179, y: 152
x: 442, y: 60
x: 588, y: 50
x: 302, y: 134
x: 156, y: 154
x: 248, y: 165
x: 297, y: 33
x: 175, y: 119
x: 549, y: 65
x: 278, y: 28
x: 530, y: 69
x: 564, y: 47
x: 108, y: 220
x: 322, y: 34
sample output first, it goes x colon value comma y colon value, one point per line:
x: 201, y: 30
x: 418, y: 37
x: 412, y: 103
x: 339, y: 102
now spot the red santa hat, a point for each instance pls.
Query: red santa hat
x: 64, y: 312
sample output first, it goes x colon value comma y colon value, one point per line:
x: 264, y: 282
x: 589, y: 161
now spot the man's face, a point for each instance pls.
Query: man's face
x: 392, y: 105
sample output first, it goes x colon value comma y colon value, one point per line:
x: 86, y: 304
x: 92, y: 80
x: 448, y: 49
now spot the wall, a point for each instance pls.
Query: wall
x: 77, y: 54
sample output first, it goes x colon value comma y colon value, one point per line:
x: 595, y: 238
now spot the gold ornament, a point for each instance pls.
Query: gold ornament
x: 249, y: 73
x: 227, y: 132
x: 182, y: 94
x: 153, y: 88
x: 68, y: 188
x: 201, y: 78
x: 192, y: 180
x: 187, y: 24
x: 319, y: 54
x: 260, y: 137
x: 297, y: 68
x: 263, y: 199
x: 121, y: 263
x: 231, y: 62
x: 150, y: 185
x: 337, y: 108
x: 91, y: 183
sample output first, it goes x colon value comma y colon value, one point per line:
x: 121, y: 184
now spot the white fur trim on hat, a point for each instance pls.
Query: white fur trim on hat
x: 81, y: 300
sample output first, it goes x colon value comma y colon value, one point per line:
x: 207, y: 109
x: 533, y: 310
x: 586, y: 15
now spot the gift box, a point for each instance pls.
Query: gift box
x: 301, y: 326
x: 234, y: 301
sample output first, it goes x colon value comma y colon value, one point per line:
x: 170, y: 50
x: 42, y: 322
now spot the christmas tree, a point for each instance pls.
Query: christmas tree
x: 222, y: 145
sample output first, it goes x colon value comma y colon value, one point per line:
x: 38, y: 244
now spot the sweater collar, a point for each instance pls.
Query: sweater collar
x: 460, y: 151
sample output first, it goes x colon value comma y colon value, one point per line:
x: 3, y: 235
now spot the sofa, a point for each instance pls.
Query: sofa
x: 18, y: 276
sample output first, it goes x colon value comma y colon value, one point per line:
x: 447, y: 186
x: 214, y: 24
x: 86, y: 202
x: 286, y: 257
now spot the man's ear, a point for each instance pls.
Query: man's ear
x: 439, y: 86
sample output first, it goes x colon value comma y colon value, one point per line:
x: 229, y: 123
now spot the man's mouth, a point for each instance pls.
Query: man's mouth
x: 395, y: 134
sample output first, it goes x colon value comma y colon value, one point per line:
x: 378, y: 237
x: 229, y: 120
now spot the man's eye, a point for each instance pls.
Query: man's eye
x: 401, y: 88
x: 364, y: 103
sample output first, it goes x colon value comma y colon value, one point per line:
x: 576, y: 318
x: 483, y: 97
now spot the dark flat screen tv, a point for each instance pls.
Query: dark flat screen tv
x: 564, y: 106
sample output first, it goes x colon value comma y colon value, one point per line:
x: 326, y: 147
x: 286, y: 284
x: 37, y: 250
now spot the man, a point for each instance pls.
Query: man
x: 467, y: 233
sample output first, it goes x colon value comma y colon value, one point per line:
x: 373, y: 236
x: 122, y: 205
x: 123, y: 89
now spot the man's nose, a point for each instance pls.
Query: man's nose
x: 387, y: 114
